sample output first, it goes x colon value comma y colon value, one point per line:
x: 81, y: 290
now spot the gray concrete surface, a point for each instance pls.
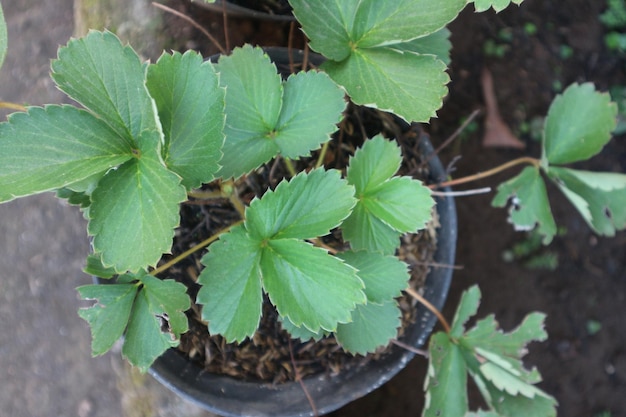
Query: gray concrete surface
x: 46, y: 367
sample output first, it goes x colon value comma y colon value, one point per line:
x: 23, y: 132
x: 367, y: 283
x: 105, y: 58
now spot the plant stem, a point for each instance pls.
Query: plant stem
x: 11, y: 106
x: 523, y: 160
x: 194, y: 249
x: 320, y: 159
x: 290, y: 168
x: 431, y: 307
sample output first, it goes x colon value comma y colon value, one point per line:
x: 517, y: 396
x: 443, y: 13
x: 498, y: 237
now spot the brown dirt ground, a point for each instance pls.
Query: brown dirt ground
x: 585, y: 371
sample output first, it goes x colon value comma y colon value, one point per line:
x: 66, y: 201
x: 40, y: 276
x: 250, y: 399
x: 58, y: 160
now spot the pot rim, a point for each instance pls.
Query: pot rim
x: 236, y: 11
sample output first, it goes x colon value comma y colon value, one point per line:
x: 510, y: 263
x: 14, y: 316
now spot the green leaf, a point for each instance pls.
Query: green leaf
x: 191, y: 109
x: 498, y: 5
x: 108, y: 79
x: 231, y: 286
x: 385, y: 277
x: 372, y: 326
x: 133, y: 213
x: 253, y: 104
x: 156, y: 322
x: 265, y: 117
x: 312, y: 107
x: 407, y: 84
x: 579, y: 124
x: 600, y: 197
x: 446, y: 381
x: 307, y: 206
x: 308, y: 286
x: 336, y: 28
x: 402, y: 204
x: 53, y: 147
x: 3, y: 37
x: 109, y: 316
x: 529, y: 203
x: 301, y: 332
x: 94, y: 267
x: 468, y: 307
x: 437, y: 44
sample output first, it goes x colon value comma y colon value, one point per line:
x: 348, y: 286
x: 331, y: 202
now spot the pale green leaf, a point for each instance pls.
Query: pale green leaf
x: 108, y: 79
x: 446, y: 381
x: 498, y: 5
x: 579, y: 124
x: 94, y: 267
x: 530, y: 207
x: 373, y: 164
x: 109, y: 316
x: 301, y: 332
x: 600, y: 197
x: 483, y: 413
x: 509, y: 405
x: 312, y: 107
x: 367, y: 232
x: 372, y: 326
x: 307, y: 206
x: 505, y: 380
x: 385, y: 277
x: 169, y: 300
x: 308, y: 286
x: 336, y: 28
x: 50, y: 148
x: 437, y: 44
x: 253, y: 104
x: 133, y: 213
x: 3, y: 37
x: 231, y: 286
x: 191, y: 109
x: 468, y: 306
x: 407, y: 84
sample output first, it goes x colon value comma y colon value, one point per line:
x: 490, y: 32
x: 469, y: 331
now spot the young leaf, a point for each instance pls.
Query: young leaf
x: 53, y: 147
x: 3, y: 37
x: 405, y: 83
x: 133, y: 213
x: 529, y: 203
x: 579, y: 124
x: 109, y: 316
x: 308, y: 286
x: 307, y: 206
x: 156, y: 322
x: 108, y: 79
x: 401, y: 204
x: 263, y: 118
x: 498, y: 5
x: 191, y: 110
x: 231, y: 286
x: 385, y: 277
x: 600, y: 197
x: 372, y: 326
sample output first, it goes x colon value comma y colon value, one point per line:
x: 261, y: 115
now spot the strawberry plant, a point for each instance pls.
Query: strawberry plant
x: 148, y: 135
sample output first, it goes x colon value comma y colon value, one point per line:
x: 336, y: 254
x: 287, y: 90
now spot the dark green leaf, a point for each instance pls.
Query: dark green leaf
x: 372, y: 326
x: 191, y: 109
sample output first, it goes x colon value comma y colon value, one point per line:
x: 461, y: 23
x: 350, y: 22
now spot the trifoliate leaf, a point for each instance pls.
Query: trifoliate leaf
x: 3, y: 37
x: 600, y: 197
x: 446, y: 380
x: 437, y: 44
x: 53, y: 147
x: 498, y: 5
x: 108, y: 79
x: 385, y: 277
x: 231, y: 286
x: 337, y: 28
x: 372, y: 326
x: 530, y: 207
x: 579, y: 124
x: 191, y: 110
x: 401, y: 204
x: 109, y: 316
x: 308, y: 286
x: 307, y: 206
x: 133, y: 213
x: 263, y: 118
x: 156, y: 322
x: 405, y: 83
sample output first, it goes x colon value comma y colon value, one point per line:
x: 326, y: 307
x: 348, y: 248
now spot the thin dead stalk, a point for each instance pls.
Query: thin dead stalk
x: 430, y: 307
x: 298, y: 378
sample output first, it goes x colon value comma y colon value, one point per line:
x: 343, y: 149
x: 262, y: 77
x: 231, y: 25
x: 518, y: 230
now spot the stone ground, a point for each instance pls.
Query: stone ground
x: 45, y: 364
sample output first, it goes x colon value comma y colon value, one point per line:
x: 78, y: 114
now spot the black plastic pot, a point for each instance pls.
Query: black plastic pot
x: 234, y: 10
